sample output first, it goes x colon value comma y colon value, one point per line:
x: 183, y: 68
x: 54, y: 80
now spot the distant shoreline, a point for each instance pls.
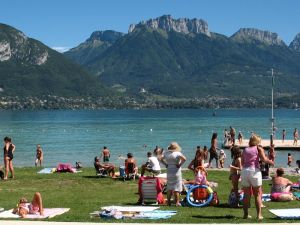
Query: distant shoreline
x: 51, y: 102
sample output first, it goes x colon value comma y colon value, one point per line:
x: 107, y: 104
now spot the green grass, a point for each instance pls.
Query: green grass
x: 84, y: 193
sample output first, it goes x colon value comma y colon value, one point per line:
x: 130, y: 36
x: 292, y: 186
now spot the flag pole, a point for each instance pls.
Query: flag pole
x: 272, y: 119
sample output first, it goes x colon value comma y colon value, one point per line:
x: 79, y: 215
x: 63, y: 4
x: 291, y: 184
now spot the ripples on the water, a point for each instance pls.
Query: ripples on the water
x: 69, y: 136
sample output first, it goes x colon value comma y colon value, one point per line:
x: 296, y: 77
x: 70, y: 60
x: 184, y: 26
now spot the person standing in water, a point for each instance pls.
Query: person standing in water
x: 232, y: 135
x: 240, y: 138
x: 105, y: 154
x: 39, y: 155
x: 290, y: 160
x: 296, y: 135
x: 213, y: 154
x: 9, y: 149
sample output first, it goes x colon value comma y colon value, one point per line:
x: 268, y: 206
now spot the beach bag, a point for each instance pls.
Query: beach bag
x: 78, y: 165
x: 233, y: 200
x: 200, y: 194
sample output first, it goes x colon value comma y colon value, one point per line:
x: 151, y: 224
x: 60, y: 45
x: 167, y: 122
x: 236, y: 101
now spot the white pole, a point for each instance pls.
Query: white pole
x: 272, y: 119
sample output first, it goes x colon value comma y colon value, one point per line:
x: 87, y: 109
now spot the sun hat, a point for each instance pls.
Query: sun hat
x: 174, y: 146
x: 254, y: 140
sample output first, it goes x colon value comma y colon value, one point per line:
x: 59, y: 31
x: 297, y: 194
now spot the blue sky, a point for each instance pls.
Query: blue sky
x: 66, y: 23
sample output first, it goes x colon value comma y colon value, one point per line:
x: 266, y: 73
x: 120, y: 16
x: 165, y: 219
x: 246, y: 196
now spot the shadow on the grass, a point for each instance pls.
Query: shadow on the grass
x: 93, y: 177
x: 214, y: 217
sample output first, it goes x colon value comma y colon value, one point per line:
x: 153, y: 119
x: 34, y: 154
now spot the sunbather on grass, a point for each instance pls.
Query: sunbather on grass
x: 35, y: 206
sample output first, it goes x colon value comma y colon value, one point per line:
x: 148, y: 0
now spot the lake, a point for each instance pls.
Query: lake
x: 70, y: 136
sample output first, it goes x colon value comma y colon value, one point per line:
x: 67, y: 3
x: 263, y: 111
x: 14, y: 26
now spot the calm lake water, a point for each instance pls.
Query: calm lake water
x: 70, y: 136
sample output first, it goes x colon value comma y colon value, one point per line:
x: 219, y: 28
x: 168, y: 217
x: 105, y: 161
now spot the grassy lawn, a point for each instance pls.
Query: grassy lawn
x: 84, y: 193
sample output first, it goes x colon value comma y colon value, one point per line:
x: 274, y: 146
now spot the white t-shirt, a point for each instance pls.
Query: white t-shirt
x: 154, y: 164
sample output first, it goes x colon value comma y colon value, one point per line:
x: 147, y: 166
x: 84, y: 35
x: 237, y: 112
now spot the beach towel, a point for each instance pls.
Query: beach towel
x: 266, y: 197
x: 155, y: 215
x: 286, y: 213
x: 47, y: 171
x: 297, y: 195
x: 115, y: 214
x: 48, y: 213
x: 130, y: 208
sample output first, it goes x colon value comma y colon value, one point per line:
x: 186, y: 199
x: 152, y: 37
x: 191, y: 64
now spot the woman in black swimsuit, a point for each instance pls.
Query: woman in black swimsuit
x: 9, y: 149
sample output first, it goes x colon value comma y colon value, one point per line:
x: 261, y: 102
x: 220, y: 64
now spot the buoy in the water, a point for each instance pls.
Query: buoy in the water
x: 151, y: 130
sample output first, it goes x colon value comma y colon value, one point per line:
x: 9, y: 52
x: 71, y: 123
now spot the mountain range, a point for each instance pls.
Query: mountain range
x: 30, y: 68
x: 162, y: 58
x: 183, y: 58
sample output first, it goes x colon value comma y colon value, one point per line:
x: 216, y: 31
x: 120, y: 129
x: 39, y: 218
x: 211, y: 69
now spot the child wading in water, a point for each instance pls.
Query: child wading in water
x: 105, y: 154
x: 290, y: 160
x: 39, y: 155
x: 235, y: 169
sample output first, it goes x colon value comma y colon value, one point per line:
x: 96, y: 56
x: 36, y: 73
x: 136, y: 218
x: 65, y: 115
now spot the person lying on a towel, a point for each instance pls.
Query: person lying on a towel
x: 280, y: 190
x: 24, y: 207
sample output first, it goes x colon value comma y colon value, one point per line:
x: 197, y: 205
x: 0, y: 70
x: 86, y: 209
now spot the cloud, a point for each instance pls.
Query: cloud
x: 61, y: 49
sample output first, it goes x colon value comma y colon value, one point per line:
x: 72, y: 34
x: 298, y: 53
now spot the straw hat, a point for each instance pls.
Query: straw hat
x: 254, y: 140
x: 174, y: 146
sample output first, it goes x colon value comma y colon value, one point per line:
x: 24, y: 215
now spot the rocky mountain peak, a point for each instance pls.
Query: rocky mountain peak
x: 295, y: 44
x: 16, y: 45
x: 181, y: 25
x: 105, y: 36
x: 266, y: 37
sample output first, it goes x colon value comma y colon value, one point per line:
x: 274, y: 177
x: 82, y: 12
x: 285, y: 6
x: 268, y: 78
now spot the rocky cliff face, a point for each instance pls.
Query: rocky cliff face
x: 266, y: 37
x: 15, y: 45
x: 295, y: 44
x: 182, y: 25
x: 97, y: 43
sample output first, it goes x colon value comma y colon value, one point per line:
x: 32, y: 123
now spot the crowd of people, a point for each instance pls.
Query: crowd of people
x: 245, y: 170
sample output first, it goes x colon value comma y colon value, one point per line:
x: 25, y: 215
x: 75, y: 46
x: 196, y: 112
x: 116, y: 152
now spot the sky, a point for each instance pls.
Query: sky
x: 63, y: 24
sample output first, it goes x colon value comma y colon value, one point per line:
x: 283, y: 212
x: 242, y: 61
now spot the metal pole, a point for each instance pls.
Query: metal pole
x: 272, y: 119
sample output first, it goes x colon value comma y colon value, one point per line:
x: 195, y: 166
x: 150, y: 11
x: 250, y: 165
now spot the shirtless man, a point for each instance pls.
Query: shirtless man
x: 105, y: 154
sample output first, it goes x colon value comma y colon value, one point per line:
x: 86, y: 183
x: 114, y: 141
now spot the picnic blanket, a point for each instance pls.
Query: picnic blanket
x: 48, y: 213
x: 47, y: 171
x: 132, y: 212
x: 286, y: 213
x: 131, y: 208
